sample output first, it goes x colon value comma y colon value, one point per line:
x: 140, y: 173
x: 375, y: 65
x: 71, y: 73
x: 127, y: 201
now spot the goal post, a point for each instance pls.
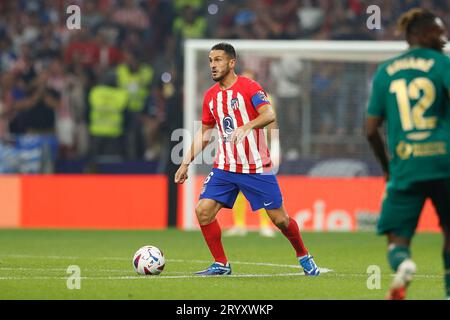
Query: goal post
x: 341, y: 59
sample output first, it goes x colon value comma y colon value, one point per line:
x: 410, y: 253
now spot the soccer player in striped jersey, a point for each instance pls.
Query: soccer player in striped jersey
x: 239, y: 107
x: 240, y: 205
x: 412, y: 93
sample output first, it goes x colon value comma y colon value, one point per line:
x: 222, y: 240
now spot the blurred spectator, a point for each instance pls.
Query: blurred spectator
x: 324, y: 87
x: 181, y: 4
x: 166, y: 60
x: 48, y: 47
x: 7, y: 53
x: 8, y: 95
x: 82, y: 48
x: 62, y: 83
x: 130, y: 15
x: 107, y: 117
x: 153, y: 118
x: 244, y: 21
x: 352, y: 90
x: 135, y: 77
x: 286, y: 73
x: 275, y: 20
x: 189, y: 24
x: 311, y: 16
x: 225, y: 29
x: 35, y: 113
x: 108, y: 55
x: 92, y: 15
x: 25, y: 65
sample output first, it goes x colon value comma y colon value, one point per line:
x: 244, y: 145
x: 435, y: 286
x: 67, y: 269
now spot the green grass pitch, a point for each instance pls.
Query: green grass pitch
x: 33, y: 265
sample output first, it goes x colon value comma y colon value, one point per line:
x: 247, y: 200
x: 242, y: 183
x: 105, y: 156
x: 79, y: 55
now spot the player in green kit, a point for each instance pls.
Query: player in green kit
x: 411, y: 92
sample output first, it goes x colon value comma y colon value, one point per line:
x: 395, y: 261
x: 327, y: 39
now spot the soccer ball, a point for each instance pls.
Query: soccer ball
x: 149, y: 260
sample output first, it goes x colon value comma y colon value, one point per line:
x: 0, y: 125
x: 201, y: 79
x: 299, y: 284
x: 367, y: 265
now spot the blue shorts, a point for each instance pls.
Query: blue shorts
x: 261, y: 190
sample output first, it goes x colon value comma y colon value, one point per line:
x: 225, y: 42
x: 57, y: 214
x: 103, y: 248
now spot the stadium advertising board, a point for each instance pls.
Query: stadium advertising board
x: 328, y: 204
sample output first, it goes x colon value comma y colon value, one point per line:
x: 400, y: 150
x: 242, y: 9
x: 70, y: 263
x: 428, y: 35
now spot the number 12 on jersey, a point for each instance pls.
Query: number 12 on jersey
x: 421, y: 89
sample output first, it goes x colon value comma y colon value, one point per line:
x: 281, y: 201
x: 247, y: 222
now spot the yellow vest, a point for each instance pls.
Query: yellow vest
x: 195, y: 30
x: 107, y: 106
x: 180, y: 4
x: 137, y: 84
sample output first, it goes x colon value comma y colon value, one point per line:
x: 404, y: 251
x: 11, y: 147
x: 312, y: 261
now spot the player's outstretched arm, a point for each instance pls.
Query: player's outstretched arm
x: 265, y: 117
x: 201, y: 140
x: 373, y: 125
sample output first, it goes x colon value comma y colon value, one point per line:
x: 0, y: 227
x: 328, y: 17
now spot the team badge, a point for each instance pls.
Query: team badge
x: 234, y: 103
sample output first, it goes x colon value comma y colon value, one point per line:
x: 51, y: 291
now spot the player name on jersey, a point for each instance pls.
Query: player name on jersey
x: 410, y: 64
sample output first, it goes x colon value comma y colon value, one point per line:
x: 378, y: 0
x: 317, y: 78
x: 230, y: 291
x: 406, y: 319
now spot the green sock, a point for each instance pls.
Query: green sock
x: 396, y: 255
x: 447, y: 273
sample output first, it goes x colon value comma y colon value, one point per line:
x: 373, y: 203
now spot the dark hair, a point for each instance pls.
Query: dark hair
x: 415, y: 21
x: 228, y: 48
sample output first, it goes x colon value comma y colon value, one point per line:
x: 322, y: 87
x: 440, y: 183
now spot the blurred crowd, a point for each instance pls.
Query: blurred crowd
x: 103, y: 92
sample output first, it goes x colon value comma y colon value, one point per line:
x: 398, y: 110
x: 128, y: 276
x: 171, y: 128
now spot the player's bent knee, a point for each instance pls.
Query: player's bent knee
x: 205, y: 213
x: 282, y: 223
x: 280, y: 220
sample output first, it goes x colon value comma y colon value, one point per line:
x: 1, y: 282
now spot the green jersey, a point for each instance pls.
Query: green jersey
x: 412, y: 93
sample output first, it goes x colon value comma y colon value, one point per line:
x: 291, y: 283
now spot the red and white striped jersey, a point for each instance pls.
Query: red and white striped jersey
x: 230, y: 109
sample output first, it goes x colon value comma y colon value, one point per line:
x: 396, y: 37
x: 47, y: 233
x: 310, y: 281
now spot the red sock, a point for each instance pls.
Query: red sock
x: 292, y: 232
x: 213, y: 237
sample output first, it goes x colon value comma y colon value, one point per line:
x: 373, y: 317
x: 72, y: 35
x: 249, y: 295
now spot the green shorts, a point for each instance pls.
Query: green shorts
x: 401, y: 209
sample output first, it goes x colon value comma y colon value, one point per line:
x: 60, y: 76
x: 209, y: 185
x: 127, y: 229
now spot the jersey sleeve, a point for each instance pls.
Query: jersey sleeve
x: 258, y: 95
x: 377, y: 106
x: 207, y: 117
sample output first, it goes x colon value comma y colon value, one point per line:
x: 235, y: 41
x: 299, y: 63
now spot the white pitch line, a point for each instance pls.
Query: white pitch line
x: 29, y: 256
x: 168, y: 260
x: 323, y: 270
x: 195, y: 277
x: 169, y: 277
x: 64, y: 270
x: 58, y: 269
x: 183, y: 261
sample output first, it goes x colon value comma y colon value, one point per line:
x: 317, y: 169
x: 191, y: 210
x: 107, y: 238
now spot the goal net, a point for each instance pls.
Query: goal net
x: 319, y: 90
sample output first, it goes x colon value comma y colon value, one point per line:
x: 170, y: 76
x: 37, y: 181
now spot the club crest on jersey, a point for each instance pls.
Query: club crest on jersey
x: 234, y: 104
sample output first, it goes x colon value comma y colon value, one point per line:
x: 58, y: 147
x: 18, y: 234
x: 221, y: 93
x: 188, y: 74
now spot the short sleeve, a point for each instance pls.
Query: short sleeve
x: 376, y: 106
x: 207, y: 117
x: 258, y: 95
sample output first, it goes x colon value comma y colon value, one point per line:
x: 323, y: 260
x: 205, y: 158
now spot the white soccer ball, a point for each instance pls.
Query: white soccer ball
x: 149, y: 260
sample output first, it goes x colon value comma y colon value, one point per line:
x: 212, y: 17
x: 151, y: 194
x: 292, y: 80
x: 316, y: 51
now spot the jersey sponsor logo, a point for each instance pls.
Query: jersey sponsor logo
x: 407, y: 150
x: 228, y: 125
x: 404, y: 150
